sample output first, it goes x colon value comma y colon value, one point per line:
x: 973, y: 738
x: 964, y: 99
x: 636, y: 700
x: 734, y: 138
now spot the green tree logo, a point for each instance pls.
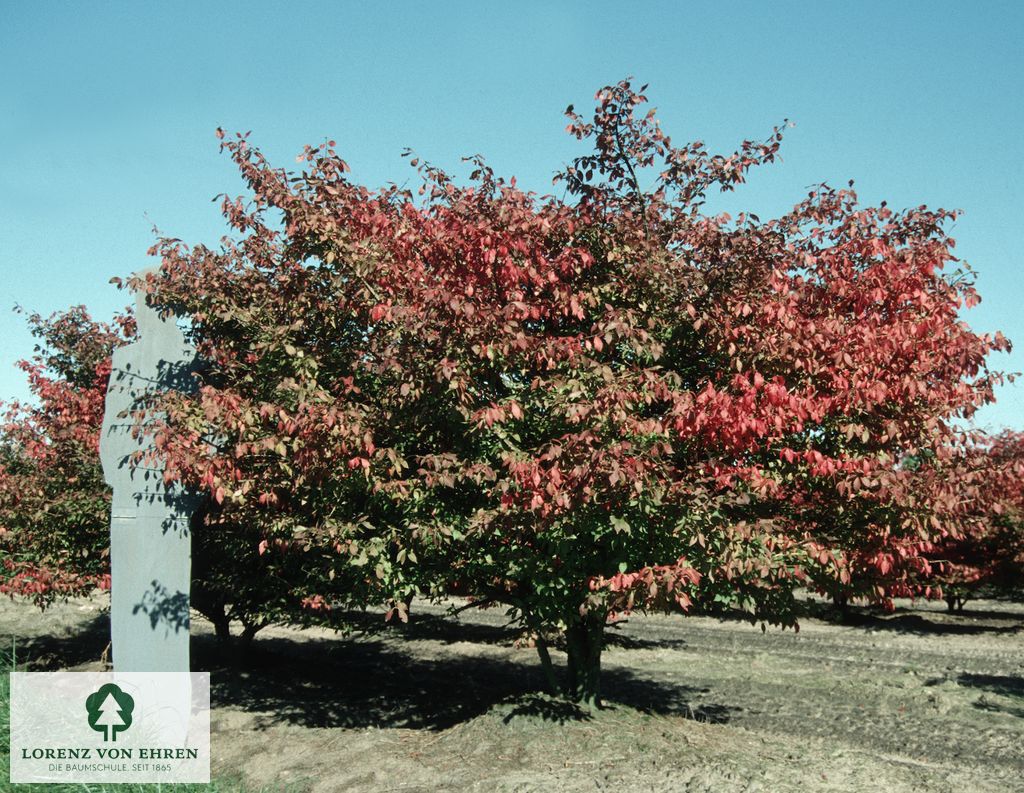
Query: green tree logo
x: 110, y: 711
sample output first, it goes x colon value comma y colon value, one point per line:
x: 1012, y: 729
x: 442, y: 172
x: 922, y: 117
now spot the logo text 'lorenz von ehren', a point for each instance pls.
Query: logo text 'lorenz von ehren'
x: 78, y: 729
x: 110, y: 710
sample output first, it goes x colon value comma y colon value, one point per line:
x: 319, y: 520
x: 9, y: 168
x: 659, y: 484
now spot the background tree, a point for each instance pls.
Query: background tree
x: 54, y: 505
x: 986, y: 556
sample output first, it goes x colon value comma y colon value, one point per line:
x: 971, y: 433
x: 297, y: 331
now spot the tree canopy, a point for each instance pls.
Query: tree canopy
x: 574, y: 406
x: 54, y: 505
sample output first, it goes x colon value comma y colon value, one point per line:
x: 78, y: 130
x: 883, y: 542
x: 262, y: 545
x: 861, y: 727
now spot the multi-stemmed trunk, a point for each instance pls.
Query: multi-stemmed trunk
x: 584, y: 640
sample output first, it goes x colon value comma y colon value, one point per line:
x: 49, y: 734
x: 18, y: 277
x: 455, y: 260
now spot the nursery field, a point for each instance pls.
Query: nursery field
x: 915, y: 701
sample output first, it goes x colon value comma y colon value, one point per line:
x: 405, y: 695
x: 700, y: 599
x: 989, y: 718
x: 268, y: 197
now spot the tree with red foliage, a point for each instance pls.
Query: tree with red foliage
x: 54, y: 504
x: 970, y: 491
x: 573, y: 407
x: 986, y: 556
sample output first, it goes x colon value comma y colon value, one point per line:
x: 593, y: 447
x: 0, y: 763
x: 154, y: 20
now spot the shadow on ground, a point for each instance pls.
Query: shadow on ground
x: 936, y: 623
x: 84, y: 645
x: 612, y: 638
x: 1003, y: 686
x: 432, y: 627
x: 375, y: 681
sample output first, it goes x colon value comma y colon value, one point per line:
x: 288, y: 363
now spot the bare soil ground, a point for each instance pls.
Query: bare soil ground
x: 914, y: 701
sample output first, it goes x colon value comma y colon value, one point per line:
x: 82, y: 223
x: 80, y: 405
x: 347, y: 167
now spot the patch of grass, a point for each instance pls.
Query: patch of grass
x: 8, y: 663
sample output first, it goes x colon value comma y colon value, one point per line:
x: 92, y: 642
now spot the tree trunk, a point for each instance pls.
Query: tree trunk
x: 222, y: 628
x: 950, y: 603
x: 584, y: 640
x: 547, y: 666
x: 217, y: 615
x: 249, y: 631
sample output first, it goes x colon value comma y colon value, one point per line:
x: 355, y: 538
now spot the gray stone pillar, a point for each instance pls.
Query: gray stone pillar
x: 150, y: 540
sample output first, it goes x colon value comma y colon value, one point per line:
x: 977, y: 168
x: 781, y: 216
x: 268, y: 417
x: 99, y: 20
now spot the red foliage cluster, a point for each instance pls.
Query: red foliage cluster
x: 54, y: 505
x: 987, y: 554
x: 580, y: 405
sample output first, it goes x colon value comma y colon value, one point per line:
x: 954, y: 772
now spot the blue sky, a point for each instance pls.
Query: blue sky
x: 108, y: 112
